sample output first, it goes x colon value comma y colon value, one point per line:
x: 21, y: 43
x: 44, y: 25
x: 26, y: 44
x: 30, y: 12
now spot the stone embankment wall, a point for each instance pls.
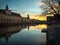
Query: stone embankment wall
x: 9, y: 19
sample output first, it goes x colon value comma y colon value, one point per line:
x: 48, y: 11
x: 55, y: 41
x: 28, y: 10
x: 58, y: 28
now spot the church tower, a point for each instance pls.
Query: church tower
x: 28, y: 16
x: 7, y: 8
x: 7, y: 11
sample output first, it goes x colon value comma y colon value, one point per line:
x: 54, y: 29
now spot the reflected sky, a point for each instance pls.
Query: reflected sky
x: 17, y: 35
x: 41, y: 26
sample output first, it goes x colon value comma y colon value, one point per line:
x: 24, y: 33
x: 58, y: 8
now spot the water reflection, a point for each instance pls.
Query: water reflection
x: 30, y: 35
x: 23, y: 34
x: 53, y: 37
x: 40, y: 26
x: 6, y: 32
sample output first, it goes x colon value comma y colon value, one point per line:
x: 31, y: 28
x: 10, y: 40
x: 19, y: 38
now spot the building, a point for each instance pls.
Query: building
x: 9, y: 17
x: 5, y: 11
x: 8, y: 12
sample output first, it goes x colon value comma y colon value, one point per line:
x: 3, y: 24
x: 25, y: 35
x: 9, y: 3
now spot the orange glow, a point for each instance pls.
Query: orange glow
x: 41, y: 26
x: 38, y: 17
x: 50, y: 15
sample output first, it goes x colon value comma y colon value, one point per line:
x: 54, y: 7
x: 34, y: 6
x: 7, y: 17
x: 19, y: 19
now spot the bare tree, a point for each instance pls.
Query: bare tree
x: 51, y: 6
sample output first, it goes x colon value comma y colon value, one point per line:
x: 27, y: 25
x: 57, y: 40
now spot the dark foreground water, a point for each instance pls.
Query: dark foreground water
x: 23, y: 35
x: 30, y: 35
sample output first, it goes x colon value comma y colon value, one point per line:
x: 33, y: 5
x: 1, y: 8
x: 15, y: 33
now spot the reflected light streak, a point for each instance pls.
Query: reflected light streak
x: 41, y: 26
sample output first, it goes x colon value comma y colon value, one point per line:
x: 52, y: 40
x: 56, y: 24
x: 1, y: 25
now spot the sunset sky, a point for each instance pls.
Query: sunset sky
x: 38, y: 17
x: 23, y: 6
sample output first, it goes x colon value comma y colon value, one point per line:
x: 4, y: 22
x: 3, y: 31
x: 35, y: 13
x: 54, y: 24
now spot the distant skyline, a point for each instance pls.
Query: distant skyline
x: 22, y: 6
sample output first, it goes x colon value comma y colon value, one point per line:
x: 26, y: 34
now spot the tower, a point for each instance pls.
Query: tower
x: 7, y: 11
x: 59, y: 3
x: 7, y: 7
x: 28, y: 16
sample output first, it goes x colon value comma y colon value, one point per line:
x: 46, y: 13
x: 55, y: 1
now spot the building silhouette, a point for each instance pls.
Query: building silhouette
x: 8, y: 12
x: 28, y: 16
x: 9, y: 17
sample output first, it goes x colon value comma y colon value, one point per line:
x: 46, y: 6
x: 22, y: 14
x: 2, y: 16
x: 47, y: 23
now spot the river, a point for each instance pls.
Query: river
x: 23, y: 35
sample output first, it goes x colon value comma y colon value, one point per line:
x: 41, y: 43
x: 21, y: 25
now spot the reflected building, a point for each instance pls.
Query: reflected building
x: 6, y: 38
x: 7, y: 32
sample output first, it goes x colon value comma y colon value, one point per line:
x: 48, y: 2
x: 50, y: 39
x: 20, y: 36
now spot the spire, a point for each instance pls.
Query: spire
x: 7, y: 7
x: 28, y: 16
x: 28, y: 28
x: 6, y: 38
x: 59, y: 3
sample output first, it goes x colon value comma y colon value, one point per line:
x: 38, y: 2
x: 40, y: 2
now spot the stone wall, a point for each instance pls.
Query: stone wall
x: 9, y: 19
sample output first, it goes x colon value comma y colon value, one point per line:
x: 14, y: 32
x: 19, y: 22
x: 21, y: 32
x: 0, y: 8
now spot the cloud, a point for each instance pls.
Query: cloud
x: 39, y: 2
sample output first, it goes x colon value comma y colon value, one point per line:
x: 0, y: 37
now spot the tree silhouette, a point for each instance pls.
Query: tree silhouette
x: 51, y: 6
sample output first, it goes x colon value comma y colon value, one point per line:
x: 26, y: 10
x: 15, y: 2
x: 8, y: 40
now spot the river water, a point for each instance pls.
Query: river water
x: 23, y: 35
